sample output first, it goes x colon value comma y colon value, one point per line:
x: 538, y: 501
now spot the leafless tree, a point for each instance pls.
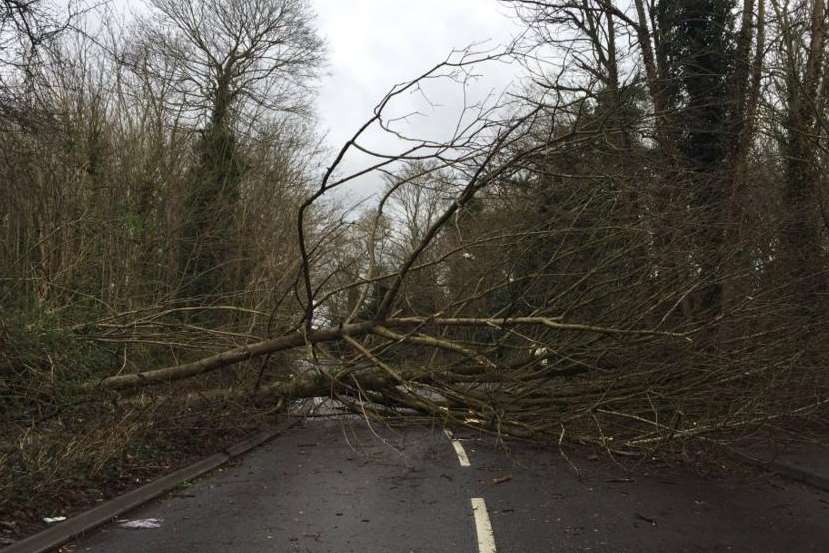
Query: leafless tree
x: 231, y: 57
x: 27, y: 29
x: 551, y: 270
x: 803, y: 85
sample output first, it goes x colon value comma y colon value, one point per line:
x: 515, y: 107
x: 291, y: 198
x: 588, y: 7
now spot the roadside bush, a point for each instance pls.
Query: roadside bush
x: 40, y: 363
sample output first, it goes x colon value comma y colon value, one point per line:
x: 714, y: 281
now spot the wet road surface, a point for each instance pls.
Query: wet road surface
x: 340, y: 486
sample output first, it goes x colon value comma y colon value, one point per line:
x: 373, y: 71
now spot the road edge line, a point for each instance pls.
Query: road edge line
x: 49, y: 539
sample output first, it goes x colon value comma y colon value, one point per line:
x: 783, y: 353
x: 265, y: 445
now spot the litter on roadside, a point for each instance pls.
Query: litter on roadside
x: 141, y: 523
x: 52, y: 520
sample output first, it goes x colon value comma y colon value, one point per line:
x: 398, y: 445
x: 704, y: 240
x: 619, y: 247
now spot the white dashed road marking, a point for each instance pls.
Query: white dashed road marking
x: 486, y: 538
x: 459, y: 450
x: 483, y: 527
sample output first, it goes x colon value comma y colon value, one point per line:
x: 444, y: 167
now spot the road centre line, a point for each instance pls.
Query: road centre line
x: 459, y: 450
x: 483, y: 527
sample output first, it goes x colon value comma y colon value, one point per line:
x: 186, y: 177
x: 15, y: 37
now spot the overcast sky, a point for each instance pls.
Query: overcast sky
x: 373, y: 44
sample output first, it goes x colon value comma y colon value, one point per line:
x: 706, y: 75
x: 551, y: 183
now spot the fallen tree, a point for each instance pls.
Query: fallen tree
x: 353, y: 330
x: 517, y: 278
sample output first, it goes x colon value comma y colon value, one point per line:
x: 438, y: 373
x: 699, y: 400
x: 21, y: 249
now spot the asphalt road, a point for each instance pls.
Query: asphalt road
x: 342, y: 487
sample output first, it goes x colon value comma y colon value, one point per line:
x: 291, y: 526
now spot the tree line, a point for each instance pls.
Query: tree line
x: 628, y: 247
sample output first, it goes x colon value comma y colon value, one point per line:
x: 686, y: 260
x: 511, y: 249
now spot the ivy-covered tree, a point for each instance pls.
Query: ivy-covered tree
x: 696, y: 45
x: 234, y: 62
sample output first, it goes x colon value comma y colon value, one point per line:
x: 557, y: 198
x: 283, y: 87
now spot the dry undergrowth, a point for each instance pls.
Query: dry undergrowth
x: 95, y: 451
